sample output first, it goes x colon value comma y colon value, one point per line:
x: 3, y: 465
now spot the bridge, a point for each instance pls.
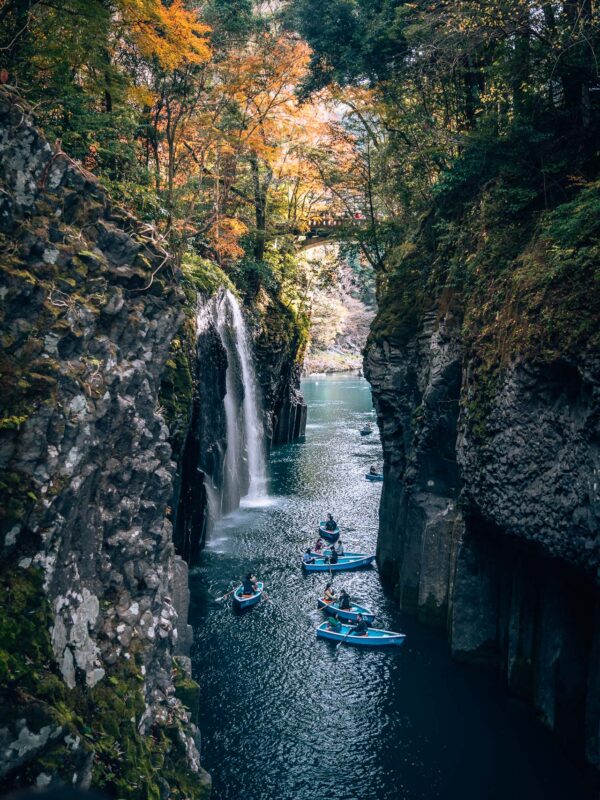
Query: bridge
x: 324, y: 226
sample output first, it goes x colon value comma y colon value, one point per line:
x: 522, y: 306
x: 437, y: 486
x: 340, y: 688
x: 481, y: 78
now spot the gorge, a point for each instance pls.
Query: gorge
x: 163, y: 166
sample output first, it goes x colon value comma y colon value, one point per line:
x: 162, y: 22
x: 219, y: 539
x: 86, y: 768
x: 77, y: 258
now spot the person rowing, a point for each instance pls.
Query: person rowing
x: 332, y: 558
x: 330, y: 523
x: 250, y: 584
x: 344, y: 602
x: 373, y: 470
x: 360, y: 627
x: 329, y: 594
x: 308, y: 557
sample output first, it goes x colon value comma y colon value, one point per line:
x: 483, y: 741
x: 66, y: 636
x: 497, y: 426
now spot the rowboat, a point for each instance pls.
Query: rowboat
x: 247, y: 600
x: 347, y: 554
x: 377, y: 476
x: 373, y: 638
x: 366, y: 431
x: 343, y: 563
x: 350, y: 614
x: 330, y: 536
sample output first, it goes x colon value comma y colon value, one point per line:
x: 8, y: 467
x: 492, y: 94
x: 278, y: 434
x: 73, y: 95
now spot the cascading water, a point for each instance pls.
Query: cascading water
x: 245, y: 471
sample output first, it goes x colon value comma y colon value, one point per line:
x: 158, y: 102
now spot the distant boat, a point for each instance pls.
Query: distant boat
x: 350, y: 614
x: 366, y: 430
x: 331, y: 536
x: 374, y: 476
x: 373, y: 638
x: 343, y: 563
x: 247, y: 600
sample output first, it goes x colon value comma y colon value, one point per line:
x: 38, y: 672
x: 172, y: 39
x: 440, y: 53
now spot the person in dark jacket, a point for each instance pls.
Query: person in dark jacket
x: 360, y: 627
x: 250, y: 584
x: 344, y: 600
x: 333, y: 556
x: 330, y: 523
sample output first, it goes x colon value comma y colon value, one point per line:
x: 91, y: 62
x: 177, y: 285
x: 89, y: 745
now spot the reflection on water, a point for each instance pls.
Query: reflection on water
x: 287, y: 717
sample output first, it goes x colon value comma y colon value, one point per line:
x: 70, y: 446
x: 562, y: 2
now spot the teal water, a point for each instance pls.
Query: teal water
x: 287, y: 717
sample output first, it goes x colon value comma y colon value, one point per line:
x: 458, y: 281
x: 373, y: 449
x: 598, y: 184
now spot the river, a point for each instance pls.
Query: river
x: 286, y: 717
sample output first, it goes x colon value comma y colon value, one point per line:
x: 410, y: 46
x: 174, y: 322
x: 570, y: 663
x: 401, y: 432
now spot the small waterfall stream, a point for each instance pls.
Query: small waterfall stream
x: 245, y: 470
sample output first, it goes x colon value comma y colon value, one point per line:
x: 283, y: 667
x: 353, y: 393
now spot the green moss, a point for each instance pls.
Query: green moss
x: 542, y: 304
x: 177, y: 386
x: 103, y: 719
x: 12, y: 423
x: 204, y: 276
x: 187, y: 690
x: 402, y: 296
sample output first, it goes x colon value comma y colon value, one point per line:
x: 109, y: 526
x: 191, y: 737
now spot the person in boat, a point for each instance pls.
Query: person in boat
x: 332, y: 558
x: 308, y: 557
x: 360, y: 626
x: 339, y: 548
x: 330, y: 523
x: 250, y: 584
x: 334, y: 624
x: 329, y: 594
x: 373, y: 470
x: 344, y: 600
x: 318, y: 548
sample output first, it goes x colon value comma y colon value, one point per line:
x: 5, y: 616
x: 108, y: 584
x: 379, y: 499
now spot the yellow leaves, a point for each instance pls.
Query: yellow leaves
x: 225, y: 235
x: 141, y: 96
x: 173, y: 35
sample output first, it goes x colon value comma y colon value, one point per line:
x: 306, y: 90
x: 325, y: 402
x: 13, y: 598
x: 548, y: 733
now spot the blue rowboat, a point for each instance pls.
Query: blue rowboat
x: 330, y: 536
x: 373, y: 638
x: 350, y: 614
x: 247, y: 600
x: 347, y: 554
x: 366, y: 431
x: 371, y: 477
x: 343, y: 563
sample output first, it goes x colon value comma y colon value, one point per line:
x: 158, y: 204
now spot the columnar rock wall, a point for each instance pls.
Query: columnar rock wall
x: 89, y: 307
x: 289, y: 416
x: 201, y: 456
x: 494, y: 535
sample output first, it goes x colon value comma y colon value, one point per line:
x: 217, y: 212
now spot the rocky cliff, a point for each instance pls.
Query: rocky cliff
x: 489, y: 516
x: 280, y: 346
x: 93, y: 594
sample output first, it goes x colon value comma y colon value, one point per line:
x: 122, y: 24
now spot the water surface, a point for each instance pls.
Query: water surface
x: 287, y: 717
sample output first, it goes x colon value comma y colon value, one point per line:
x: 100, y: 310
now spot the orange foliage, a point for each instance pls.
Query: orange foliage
x: 173, y: 35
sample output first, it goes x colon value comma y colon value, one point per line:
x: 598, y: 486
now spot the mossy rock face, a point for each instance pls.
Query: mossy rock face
x: 188, y: 691
x: 82, y: 730
x: 88, y: 309
x: 529, y: 287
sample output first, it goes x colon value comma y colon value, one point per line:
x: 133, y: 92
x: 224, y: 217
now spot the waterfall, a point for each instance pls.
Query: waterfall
x: 245, y: 471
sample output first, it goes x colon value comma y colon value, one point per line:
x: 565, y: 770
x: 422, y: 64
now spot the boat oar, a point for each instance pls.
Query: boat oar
x: 218, y: 599
x: 341, y: 641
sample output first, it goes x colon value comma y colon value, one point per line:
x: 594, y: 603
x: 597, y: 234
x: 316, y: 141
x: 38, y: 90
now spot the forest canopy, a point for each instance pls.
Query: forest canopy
x: 436, y: 133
